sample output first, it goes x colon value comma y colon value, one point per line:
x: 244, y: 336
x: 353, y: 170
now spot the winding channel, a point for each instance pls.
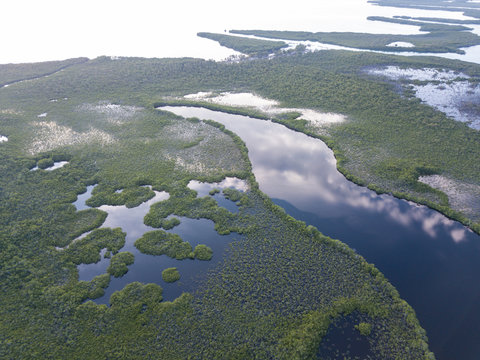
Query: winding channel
x: 433, y: 261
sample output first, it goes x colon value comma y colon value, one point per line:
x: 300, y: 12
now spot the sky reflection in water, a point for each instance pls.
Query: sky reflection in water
x: 431, y: 260
x: 148, y: 268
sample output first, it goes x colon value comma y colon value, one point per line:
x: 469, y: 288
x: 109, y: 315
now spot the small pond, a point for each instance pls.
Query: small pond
x: 344, y: 341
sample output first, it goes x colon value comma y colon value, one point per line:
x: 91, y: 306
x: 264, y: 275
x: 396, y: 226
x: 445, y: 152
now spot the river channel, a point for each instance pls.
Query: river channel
x: 433, y: 261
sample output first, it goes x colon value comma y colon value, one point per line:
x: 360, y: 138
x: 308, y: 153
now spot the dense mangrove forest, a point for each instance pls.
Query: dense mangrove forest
x: 227, y: 273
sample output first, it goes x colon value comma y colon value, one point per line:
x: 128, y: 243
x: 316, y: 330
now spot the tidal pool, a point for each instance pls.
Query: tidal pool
x: 434, y: 262
x: 148, y: 268
x: 56, y: 165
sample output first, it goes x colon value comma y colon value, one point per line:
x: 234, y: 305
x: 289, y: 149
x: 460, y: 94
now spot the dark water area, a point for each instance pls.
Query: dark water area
x: 148, y: 268
x: 344, y: 341
x: 433, y: 261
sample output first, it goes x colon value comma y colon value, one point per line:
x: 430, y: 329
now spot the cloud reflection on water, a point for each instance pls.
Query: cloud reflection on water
x: 302, y: 170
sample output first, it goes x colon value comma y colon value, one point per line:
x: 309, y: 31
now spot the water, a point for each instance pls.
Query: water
x: 203, y: 189
x: 80, y: 203
x: 471, y: 53
x: 434, y: 262
x: 343, y: 341
x: 56, y: 165
x: 148, y: 268
x: 448, y: 91
x: 168, y: 29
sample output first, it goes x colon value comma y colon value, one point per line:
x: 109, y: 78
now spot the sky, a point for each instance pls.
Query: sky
x: 54, y: 30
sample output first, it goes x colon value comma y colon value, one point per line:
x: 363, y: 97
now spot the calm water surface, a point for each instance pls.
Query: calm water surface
x: 434, y: 262
x: 148, y: 268
x: 168, y: 29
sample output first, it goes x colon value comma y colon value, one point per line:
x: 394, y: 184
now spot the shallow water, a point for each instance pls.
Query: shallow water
x: 203, y: 189
x: 343, y: 340
x: 56, y: 165
x: 425, y: 74
x: 458, y: 100
x: 471, y: 53
x: 434, y: 262
x: 448, y: 91
x: 268, y: 106
x: 148, y: 268
x: 401, y: 44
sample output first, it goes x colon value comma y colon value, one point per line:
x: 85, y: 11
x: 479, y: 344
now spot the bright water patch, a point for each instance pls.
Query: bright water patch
x: 425, y: 74
x: 80, y: 203
x: 56, y: 165
x: 268, y: 106
x: 447, y: 91
x: 204, y: 189
x: 459, y: 100
x: 401, y: 44
x: 433, y: 261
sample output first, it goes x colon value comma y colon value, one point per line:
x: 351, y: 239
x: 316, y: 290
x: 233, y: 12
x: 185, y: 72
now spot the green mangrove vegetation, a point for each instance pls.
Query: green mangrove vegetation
x: 384, y: 126
x: 424, y: 26
x: 45, y: 163
x: 232, y: 194
x: 119, y: 262
x: 278, y: 287
x: 87, y: 249
x: 159, y: 242
x: 440, y: 20
x: 11, y: 73
x: 468, y: 8
x: 187, y: 204
x: 202, y: 252
x: 214, y: 191
x: 442, y: 38
x: 170, y: 275
x: 130, y: 197
x: 249, y: 46
x: 364, y: 328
